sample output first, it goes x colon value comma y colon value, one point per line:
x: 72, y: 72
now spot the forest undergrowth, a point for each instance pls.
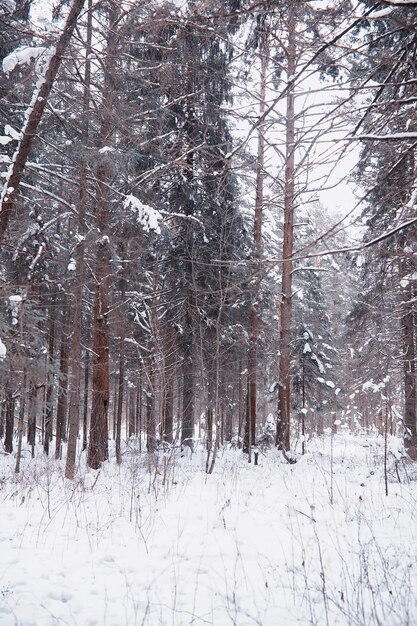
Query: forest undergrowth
x: 158, y: 541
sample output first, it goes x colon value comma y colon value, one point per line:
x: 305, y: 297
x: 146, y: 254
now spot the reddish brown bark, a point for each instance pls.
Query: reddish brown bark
x: 98, y: 444
x: 74, y: 398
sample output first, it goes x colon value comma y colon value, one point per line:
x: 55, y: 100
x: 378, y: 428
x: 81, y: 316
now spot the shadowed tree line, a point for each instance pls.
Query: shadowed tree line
x: 160, y: 224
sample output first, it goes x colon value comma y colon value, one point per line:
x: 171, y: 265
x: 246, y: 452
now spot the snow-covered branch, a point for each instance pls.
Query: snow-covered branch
x: 33, y: 117
x: 388, y: 137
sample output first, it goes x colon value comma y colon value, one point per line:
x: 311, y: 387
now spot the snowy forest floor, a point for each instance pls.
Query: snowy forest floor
x: 317, y: 542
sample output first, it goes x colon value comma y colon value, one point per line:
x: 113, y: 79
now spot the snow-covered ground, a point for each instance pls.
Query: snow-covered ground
x: 158, y: 542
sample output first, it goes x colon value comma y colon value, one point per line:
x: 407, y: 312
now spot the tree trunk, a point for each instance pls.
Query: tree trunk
x: 121, y: 381
x: 228, y: 422
x: 8, y: 439
x: 32, y: 410
x: 115, y: 403
x: 131, y: 421
x: 168, y: 431
x: 21, y: 423
x: 138, y: 408
x: 131, y: 399
x: 168, y: 398
x: 215, y: 403
x: 210, y: 410
x: 74, y: 399
x: 119, y: 407
x: 241, y: 406
x: 98, y: 444
x: 250, y: 423
x: 187, y: 422
x: 251, y: 414
x: 285, y: 312
x: 150, y: 411
x: 50, y: 380
x: 140, y: 413
x: 2, y: 417
x: 409, y: 365
x: 85, y: 403
x: 62, y: 404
